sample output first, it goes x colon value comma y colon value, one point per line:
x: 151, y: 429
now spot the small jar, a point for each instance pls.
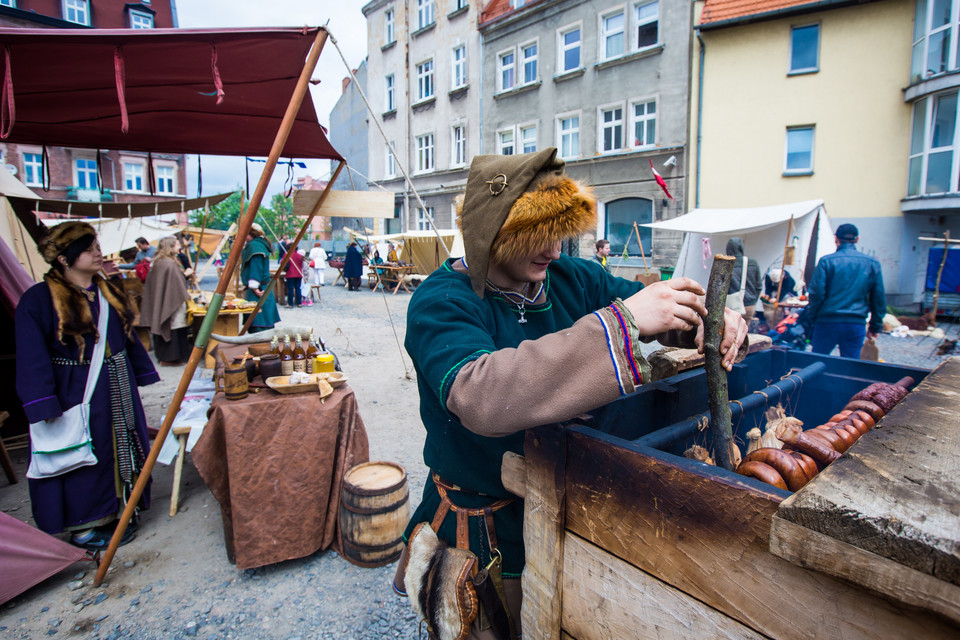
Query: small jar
x: 269, y: 365
x: 323, y: 363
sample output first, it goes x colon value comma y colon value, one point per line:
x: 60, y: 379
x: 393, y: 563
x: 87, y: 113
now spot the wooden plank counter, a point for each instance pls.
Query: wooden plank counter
x: 887, y: 514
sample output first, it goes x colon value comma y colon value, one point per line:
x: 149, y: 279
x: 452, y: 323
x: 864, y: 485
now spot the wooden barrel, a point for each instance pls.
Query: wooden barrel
x: 374, y: 510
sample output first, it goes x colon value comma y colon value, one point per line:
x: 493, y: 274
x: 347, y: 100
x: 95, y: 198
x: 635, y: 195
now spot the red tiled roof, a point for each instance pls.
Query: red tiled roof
x: 723, y: 10
x: 498, y: 8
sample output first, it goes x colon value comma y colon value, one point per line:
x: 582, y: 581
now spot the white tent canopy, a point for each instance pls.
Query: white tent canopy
x: 764, y: 234
x: 117, y: 235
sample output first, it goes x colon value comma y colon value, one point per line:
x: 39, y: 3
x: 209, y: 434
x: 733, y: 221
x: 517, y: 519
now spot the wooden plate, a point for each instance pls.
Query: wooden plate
x: 335, y: 378
x: 281, y: 384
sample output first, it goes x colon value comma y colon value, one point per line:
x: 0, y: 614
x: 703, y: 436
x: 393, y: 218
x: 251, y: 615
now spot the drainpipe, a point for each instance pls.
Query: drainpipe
x: 480, y: 99
x: 703, y: 50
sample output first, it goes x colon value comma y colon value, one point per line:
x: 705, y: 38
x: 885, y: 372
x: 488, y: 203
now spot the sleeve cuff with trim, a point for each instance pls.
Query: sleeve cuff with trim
x: 42, y: 409
x: 623, y: 345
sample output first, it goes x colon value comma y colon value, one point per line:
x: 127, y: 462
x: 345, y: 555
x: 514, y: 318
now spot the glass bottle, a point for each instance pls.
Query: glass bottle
x: 299, y: 356
x: 275, y: 345
x: 312, y: 352
x: 286, y: 358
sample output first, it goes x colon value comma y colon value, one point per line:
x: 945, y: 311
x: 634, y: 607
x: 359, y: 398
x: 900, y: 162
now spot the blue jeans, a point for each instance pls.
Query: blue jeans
x: 293, y: 291
x: 848, y: 336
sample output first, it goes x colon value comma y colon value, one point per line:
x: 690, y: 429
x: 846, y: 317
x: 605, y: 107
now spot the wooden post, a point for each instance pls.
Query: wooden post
x: 286, y: 257
x: 943, y: 262
x: 646, y: 269
x: 720, y: 427
x: 783, y: 267
x: 203, y: 336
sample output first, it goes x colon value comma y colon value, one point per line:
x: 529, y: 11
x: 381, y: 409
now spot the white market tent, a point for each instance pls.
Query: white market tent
x: 764, y: 234
x: 117, y: 235
x: 419, y: 247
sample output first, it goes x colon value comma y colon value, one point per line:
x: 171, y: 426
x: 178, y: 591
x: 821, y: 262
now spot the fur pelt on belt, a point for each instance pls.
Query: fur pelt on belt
x: 439, y: 581
x: 72, y: 306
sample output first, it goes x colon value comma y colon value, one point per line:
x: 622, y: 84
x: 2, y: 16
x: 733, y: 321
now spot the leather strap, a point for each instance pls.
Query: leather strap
x: 491, y: 528
x: 463, y: 533
x: 473, y: 513
x: 441, y: 513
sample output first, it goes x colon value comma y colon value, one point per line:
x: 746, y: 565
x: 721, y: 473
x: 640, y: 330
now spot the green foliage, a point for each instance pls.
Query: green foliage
x: 277, y: 220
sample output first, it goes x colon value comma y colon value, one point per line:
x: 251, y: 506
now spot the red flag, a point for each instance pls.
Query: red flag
x: 660, y: 180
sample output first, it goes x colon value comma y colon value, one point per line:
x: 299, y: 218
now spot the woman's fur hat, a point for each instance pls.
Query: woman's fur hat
x: 517, y: 204
x: 61, y: 236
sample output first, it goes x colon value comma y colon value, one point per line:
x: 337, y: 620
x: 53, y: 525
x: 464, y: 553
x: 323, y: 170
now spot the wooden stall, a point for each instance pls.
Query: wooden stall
x: 627, y: 539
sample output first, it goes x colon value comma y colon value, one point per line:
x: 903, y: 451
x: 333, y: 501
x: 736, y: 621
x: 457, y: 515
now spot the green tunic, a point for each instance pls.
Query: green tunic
x: 256, y: 266
x: 448, y: 325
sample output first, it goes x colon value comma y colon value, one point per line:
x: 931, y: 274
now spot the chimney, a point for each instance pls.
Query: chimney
x: 346, y: 83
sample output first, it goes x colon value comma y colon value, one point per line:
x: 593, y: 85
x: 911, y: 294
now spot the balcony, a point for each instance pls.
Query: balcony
x: 89, y: 195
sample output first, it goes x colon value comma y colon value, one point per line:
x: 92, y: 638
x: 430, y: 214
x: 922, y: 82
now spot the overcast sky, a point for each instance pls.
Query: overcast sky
x: 346, y: 23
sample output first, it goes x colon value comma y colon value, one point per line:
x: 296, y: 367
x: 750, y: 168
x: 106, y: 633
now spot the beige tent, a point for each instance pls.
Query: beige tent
x: 116, y: 235
x: 13, y: 232
x: 419, y: 247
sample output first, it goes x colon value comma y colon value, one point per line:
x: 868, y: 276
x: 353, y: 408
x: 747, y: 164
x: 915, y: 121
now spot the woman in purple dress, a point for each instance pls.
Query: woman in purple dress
x: 56, y: 329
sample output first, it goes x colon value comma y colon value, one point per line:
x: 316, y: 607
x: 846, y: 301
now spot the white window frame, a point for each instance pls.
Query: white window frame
x: 426, y: 160
x: 633, y: 119
x: 423, y: 221
x: 816, y: 66
x: 523, y: 60
x: 134, y: 170
x: 458, y: 145
x: 390, y: 163
x: 522, y: 139
x: 458, y: 78
x: 32, y: 166
x: 424, y: 14
x: 637, y: 23
x: 390, y: 92
x: 602, y: 52
x: 602, y: 126
x: 922, y: 152
x: 8, y: 3
x: 80, y: 10
x: 140, y: 20
x: 459, y: 4
x: 562, y: 48
x: 576, y: 153
x: 92, y: 171
x: 426, y: 87
x: 786, y: 150
x: 924, y: 31
x: 389, y: 26
x: 503, y: 69
x: 159, y: 168
x: 507, y: 139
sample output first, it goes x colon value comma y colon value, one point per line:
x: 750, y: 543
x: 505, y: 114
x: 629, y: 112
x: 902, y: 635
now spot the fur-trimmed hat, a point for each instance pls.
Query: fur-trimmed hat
x: 517, y: 204
x: 61, y: 236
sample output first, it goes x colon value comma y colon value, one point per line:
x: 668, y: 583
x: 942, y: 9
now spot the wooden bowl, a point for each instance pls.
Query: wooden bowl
x: 259, y: 349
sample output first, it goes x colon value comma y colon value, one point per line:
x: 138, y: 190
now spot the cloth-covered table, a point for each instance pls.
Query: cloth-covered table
x: 275, y: 464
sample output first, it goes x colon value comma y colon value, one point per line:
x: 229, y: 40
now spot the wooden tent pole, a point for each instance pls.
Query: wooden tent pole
x: 717, y: 392
x: 296, y: 241
x: 646, y: 269
x: 783, y: 268
x: 214, y: 309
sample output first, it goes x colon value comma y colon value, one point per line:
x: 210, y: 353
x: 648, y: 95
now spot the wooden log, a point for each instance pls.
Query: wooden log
x: 670, y: 361
x: 181, y: 433
x: 719, y: 398
x: 513, y: 474
x: 707, y: 533
x: 606, y: 598
x: 544, y: 449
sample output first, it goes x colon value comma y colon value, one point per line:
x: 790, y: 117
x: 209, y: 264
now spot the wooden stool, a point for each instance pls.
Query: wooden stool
x: 315, y: 288
x: 4, y: 456
x: 181, y: 433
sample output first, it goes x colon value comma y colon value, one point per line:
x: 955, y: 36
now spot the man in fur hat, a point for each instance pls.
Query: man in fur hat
x: 516, y: 335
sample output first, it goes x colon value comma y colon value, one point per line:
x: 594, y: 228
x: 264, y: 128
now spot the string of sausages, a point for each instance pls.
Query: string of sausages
x: 807, y: 453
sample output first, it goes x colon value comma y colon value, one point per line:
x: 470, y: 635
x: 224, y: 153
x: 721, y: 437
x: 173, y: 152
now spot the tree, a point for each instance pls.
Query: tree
x: 279, y: 217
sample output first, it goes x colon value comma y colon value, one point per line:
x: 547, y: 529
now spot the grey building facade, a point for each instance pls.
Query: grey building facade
x: 607, y: 83
x: 349, y: 121
x: 424, y: 71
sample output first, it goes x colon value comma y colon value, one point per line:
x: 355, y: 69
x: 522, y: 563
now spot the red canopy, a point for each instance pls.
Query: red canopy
x: 30, y: 556
x: 62, y: 90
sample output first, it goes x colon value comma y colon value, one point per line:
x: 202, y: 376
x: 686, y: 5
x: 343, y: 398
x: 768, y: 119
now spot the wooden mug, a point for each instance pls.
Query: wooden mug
x: 235, y: 384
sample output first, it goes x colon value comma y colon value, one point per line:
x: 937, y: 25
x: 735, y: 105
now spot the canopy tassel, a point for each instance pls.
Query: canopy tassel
x: 120, y: 77
x: 8, y: 110
x: 217, y: 82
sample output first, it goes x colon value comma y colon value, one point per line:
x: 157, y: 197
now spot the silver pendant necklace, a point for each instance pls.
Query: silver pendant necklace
x: 523, y: 298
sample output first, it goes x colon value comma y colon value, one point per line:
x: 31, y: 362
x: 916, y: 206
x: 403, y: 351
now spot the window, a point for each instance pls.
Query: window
x: 611, y: 128
x: 8, y: 3
x: 166, y: 179
x: 619, y: 218
x: 425, y: 86
x: 505, y: 142
x: 647, y: 24
x: 425, y: 153
x: 77, y: 11
x: 804, y: 48
x: 423, y: 218
x: 85, y: 173
x: 528, y: 58
x: 506, y: 64
x: 459, y: 66
x: 459, y: 4
x: 140, y: 20
x: 390, y: 164
x: 932, y: 167
x: 32, y: 169
x: 799, y: 152
x: 644, y: 124
x: 132, y: 176
x: 391, y: 95
x: 528, y: 138
x: 516, y: 4
x: 612, y: 35
x: 388, y: 26
x: 424, y: 13
x: 568, y: 132
x: 934, y: 39
x: 569, y: 50
x: 458, y: 146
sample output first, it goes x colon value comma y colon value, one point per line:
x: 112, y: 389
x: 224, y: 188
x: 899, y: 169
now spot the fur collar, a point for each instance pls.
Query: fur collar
x: 72, y: 307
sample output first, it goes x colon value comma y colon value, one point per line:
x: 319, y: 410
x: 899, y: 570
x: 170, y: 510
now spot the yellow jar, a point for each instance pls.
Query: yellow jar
x: 323, y: 363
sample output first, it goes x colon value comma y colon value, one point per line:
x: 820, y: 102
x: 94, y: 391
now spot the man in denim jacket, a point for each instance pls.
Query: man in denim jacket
x: 847, y: 286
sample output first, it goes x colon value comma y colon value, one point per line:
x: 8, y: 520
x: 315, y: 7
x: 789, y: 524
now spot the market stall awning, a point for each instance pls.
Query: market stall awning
x: 116, y: 235
x: 733, y: 221
x: 221, y: 92
x: 118, y: 209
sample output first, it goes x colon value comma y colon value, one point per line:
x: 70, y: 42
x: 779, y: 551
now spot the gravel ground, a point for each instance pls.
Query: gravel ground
x: 174, y: 580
